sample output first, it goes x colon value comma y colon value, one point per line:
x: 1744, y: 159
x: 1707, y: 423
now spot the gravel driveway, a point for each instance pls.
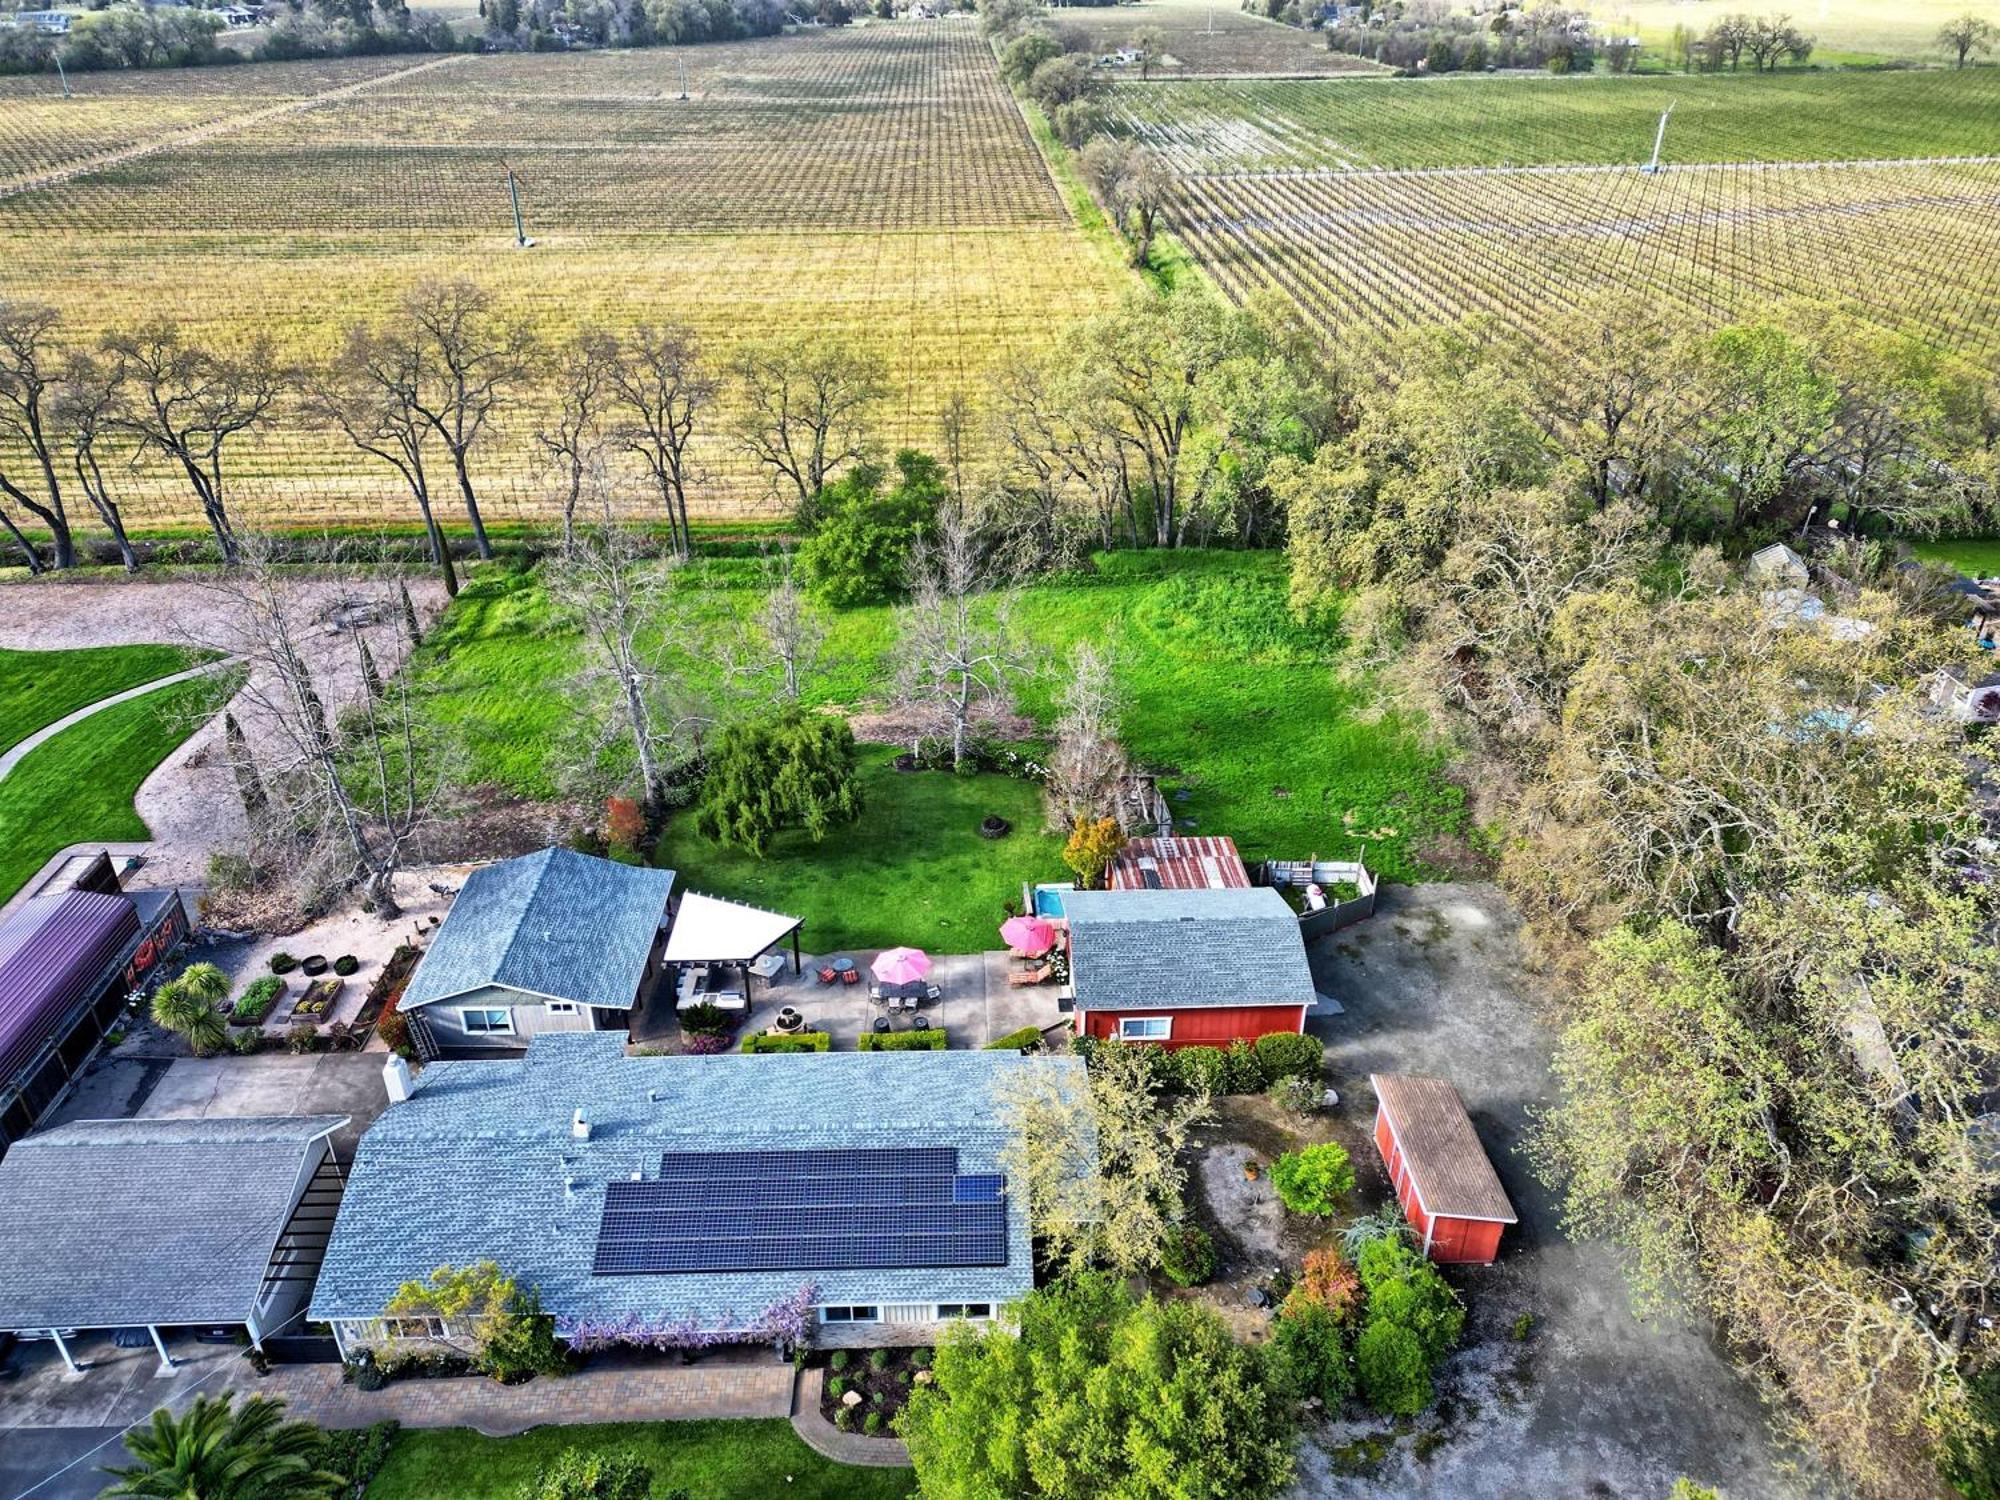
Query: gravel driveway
x: 190, y: 802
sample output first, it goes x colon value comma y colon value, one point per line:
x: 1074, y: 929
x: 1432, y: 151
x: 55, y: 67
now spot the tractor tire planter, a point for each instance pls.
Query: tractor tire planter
x: 346, y: 965
x: 313, y: 965
x: 995, y: 827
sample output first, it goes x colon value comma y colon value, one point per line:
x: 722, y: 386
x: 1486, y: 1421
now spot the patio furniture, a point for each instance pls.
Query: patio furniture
x: 919, y: 1023
x: 850, y: 976
x: 901, y: 965
x: 1028, y: 936
x: 1021, y: 978
x: 829, y: 975
x: 881, y: 1023
x: 933, y: 994
x: 789, y: 1019
x: 843, y: 964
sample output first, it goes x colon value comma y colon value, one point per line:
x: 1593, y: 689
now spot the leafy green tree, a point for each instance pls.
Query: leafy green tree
x: 499, y: 1321
x: 859, y: 551
x: 218, y: 1451
x: 1099, y: 1394
x: 795, y: 771
x: 1314, y: 1179
x: 1092, y: 846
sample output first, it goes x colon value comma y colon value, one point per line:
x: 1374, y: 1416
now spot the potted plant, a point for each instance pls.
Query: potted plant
x: 313, y: 965
x: 346, y: 964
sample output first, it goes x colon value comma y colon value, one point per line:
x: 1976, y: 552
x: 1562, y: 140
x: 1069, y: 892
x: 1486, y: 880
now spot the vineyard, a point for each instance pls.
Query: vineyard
x: 1210, y: 39
x: 875, y: 182
x: 1376, y: 206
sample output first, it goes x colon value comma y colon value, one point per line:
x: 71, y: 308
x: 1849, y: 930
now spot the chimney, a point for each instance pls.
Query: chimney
x: 579, y: 1125
x: 396, y: 1079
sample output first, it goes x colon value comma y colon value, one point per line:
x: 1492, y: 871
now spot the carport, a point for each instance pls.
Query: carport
x: 164, y: 1224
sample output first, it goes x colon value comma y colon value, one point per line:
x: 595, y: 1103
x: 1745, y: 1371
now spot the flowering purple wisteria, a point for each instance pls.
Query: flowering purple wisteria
x: 785, y: 1321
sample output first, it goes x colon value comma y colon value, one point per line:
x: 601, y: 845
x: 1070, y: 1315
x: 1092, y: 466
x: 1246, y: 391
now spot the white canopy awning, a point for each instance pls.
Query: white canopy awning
x: 708, y: 929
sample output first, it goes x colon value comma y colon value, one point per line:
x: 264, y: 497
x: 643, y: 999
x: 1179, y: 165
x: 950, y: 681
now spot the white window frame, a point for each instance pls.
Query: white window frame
x: 1140, y: 1028
x: 850, y: 1313
x: 965, y: 1311
x: 561, y: 1007
x: 433, y: 1328
x: 467, y: 1012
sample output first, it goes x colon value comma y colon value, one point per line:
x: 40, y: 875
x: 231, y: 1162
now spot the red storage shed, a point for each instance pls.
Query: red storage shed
x: 1447, y: 1186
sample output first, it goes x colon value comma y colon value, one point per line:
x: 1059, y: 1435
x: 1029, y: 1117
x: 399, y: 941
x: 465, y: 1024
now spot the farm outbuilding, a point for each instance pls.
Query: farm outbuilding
x: 1444, y: 1181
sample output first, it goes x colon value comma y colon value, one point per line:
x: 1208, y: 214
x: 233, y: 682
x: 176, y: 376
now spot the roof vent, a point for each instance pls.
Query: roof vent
x: 396, y: 1079
x: 579, y: 1125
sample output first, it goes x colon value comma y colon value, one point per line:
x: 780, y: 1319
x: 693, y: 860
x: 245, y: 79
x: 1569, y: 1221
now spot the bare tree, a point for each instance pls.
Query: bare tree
x: 1966, y: 35
x: 187, y: 402
x: 630, y: 692
x: 807, y: 402
x: 372, y: 392
x: 27, y: 374
x: 661, y: 392
x: 89, y: 406
x: 1147, y: 42
x: 1063, y: 453
x: 346, y: 795
x: 573, y: 434
x: 781, y: 644
x: 956, y: 648
x: 1087, y: 769
x: 1132, y: 183
x: 470, y: 359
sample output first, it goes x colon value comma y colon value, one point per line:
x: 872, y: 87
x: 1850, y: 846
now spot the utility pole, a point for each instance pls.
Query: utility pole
x: 521, y: 240
x: 63, y: 74
x: 684, y: 80
x: 1659, y: 139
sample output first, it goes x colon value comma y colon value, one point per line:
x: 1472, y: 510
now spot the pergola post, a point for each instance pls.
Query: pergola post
x: 256, y: 1333
x: 63, y: 1349
x: 795, y: 952
x: 166, y: 1359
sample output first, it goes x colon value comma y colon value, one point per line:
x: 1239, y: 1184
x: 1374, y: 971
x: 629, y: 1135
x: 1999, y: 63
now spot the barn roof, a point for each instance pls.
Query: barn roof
x: 558, y: 924
x: 110, y: 1223
x: 1454, y: 1177
x: 1209, y: 862
x: 1179, y: 950
x: 52, y: 950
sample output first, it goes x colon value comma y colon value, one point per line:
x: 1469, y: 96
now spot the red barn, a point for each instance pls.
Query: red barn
x: 1183, y: 968
x: 1207, y: 863
x: 1447, y: 1187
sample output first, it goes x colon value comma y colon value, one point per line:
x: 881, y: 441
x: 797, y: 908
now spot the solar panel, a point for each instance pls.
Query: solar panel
x: 888, y: 1208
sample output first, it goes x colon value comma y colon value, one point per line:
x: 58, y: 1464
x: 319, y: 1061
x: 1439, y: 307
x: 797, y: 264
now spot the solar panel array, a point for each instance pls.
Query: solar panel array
x: 885, y: 1208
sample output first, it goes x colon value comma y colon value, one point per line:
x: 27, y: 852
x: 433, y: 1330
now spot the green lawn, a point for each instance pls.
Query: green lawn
x: 1234, y: 704
x: 1977, y: 557
x: 80, y: 784
x: 710, y: 1460
x: 913, y: 870
x: 39, y: 687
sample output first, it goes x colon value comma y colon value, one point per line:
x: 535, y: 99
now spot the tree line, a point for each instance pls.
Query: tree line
x: 184, y: 36
x: 1739, y: 825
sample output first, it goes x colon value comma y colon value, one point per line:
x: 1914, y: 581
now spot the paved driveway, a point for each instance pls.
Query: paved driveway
x: 1594, y: 1402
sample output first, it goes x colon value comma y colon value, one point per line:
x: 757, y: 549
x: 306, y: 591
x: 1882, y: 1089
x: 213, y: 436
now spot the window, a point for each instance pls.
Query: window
x: 1145, y: 1028
x: 849, y: 1315
x: 974, y: 1310
x: 561, y: 1007
x: 413, y: 1328
x: 487, y: 1021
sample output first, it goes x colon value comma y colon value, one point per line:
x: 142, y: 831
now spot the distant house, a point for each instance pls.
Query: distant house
x: 1443, y: 1179
x: 165, y: 1225
x: 1186, y: 967
x: 51, y: 22
x: 1178, y: 864
x: 637, y: 1195
x: 555, y: 941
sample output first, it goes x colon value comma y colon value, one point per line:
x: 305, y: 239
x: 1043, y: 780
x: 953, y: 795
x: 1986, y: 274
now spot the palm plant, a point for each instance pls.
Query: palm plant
x: 189, y: 1011
x: 218, y: 1452
x: 206, y: 982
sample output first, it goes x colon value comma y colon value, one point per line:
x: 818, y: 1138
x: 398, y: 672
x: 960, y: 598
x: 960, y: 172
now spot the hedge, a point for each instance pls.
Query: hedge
x: 931, y: 1039
x: 1240, y: 1069
x: 1015, y: 1041
x: 799, y: 1041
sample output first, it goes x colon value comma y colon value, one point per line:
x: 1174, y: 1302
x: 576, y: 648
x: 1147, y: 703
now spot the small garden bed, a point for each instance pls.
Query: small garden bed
x: 880, y: 1380
x: 256, y: 1001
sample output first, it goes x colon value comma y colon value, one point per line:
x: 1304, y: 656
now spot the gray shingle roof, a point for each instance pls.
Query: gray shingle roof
x: 112, y: 1223
x: 480, y: 1164
x: 1175, y: 950
x: 557, y: 924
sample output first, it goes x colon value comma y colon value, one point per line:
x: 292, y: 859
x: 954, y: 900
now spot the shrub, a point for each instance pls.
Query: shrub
x: 1314, y: 1180
x: 257, y: 998
x: 878, y: 1359
x: 1313, y: 1344
x: 1295, y: 1096
x: 356, y: 1454
x: 229, y: 871
x: 1246, y: 1075
x: 921, y: 1358
x: 1201, y: 1070
x: 707, y: 1020
x: 837, y: 1387
x: 247, y: 1041
x: 843, y: 1418
x: 838, y: 1360
x: 1289, y: 1054
x: 1188, y: 1256
x: 1015, y: 1041
x: 394, y: 1029
x: 800, y: 1041
x: 303, y: 1037
x: 367, y: 1375
x: 1405, y: 1289
x: 872, y: 1423
x: 1395, y: 1376
x: 283, y: 962
x: 930, y: 1039
x: 1327, y: 1279
x: 346, y: 964
x: 706, y: 1044
x: 579, y: 1474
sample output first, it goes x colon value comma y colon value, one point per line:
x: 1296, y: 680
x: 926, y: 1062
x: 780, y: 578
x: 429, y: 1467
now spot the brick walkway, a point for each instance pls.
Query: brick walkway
x: 824, y: 1438
x: 601, y: 1393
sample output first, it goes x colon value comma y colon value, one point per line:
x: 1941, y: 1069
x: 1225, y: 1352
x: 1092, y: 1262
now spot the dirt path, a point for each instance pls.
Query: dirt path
x: 190, y: 801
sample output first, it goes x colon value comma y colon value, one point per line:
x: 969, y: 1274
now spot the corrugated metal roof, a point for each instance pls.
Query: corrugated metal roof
x: 480, y: 1164
x: 1171, y: 950
x: 52, y: 950
x: 1451, y: 1170
x: 112, y: 1223
x: 1205, y: 863
x: 558, y: 924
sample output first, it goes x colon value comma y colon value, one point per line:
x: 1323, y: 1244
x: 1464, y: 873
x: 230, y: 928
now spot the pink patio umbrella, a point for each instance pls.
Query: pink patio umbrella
x: 901, y: 965
x: 1029, y: 935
